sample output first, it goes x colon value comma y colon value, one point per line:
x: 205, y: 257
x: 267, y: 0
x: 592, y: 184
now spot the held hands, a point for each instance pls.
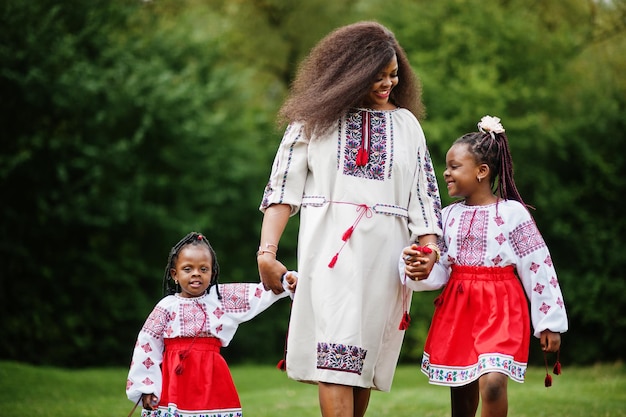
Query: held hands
x: 271, y: 270
x: 419, y: 261
x: 149, y: 401
x: 291, y: 278
x: 550, y: 341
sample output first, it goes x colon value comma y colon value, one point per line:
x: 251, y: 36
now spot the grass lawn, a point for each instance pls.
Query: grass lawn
x: 25, y: 391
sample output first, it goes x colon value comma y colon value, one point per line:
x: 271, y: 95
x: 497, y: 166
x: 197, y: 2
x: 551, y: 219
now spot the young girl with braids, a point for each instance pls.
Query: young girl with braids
x: 480, y: 331
x: 177, y: 369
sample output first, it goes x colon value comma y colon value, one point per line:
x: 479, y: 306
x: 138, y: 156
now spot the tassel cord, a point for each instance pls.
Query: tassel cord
x: 185, y: 353
x: 363, y: 211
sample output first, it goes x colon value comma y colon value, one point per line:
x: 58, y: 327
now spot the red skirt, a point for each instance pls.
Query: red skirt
x: 480, y: 324
x: 196, y: 380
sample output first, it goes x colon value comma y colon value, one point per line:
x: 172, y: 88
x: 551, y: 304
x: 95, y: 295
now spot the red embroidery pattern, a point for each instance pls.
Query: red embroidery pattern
x: 560, y: 302
x: 218, y: 312
x: 235, y: 298
x: 554, y: 282
x: 148, y: 363
x: 534, y: 267
x: 548, y: 260
x: 526, y: 239
x: 472, y: 237
x: 156, y: 322
x: 193, y: 319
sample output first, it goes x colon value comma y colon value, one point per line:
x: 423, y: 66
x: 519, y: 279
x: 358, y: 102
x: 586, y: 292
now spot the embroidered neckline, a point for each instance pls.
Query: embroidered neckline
x: 499, y: 200
x: 358, y: 109
x: 191, y: 299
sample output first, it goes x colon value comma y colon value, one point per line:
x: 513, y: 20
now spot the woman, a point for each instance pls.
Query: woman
x: 353, y: 161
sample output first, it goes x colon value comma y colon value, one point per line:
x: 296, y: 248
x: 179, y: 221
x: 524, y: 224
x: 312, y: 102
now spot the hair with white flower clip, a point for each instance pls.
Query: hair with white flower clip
x: 490, y: 146
x: 491, y: 125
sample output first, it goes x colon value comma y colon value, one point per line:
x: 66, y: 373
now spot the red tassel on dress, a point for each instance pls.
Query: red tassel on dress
x: 205, y: 382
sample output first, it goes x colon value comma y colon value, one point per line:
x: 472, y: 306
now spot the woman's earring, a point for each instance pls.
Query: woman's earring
x: 479, y: 179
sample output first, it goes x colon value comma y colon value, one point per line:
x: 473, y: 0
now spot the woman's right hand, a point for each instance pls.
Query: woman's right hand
x: 271, y: 270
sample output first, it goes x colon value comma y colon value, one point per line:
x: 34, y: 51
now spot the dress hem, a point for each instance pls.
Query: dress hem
x: 456, y: 376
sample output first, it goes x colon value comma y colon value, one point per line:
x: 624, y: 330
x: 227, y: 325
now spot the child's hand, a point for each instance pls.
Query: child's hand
x: 418, y: 263
x: 291, y: 277
x: 550, y: 341
x: 149, y: 401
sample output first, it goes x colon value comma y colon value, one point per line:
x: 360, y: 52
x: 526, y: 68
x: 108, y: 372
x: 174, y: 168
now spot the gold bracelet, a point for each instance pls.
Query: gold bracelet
x: 261, y: 251
x: 435, y: 248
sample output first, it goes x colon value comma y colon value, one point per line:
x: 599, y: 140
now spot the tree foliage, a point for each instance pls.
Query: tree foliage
x: 127, y: 124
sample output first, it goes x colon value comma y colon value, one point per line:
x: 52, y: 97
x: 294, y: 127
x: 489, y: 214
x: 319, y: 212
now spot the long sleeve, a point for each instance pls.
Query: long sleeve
x: 240, y: 302
x: 289, y: 171
x: 144, y: 376
x: 425, y: 203
x: 537, y: 273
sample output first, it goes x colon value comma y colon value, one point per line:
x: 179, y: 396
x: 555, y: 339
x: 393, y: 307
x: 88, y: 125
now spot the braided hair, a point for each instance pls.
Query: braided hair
x: 492, y: 149
x: 193, y: 238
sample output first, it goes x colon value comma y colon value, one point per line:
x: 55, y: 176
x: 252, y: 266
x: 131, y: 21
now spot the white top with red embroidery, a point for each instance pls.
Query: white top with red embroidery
x: 205, y: 316
x: 499, y: 235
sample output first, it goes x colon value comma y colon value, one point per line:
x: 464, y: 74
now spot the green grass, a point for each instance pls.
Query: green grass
x: 25, y: 391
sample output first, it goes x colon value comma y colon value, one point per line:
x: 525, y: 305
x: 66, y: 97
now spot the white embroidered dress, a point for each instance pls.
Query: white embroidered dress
x: 345, y: 318
x: 180, y: 320
x: 496, y: 235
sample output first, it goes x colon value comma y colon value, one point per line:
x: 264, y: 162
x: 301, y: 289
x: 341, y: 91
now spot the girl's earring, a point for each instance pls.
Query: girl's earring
x: 479, y: 179
x: 176, y: 281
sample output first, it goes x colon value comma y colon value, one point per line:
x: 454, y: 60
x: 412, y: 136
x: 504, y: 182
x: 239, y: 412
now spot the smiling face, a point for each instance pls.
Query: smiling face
x: 386, y: 80
x: 462, y: 171
x: 193, y: 270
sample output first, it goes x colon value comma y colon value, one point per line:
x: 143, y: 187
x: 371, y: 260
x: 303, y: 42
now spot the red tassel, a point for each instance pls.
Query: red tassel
x: 406, y: 320
x: 282, y: 365
x: 347, y: 233
x: 333, y: 261
x: 424, y: 249
x: 557, y: 368
x: 438, y: 301
x: 361, y: 157
x: 548, y: 381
